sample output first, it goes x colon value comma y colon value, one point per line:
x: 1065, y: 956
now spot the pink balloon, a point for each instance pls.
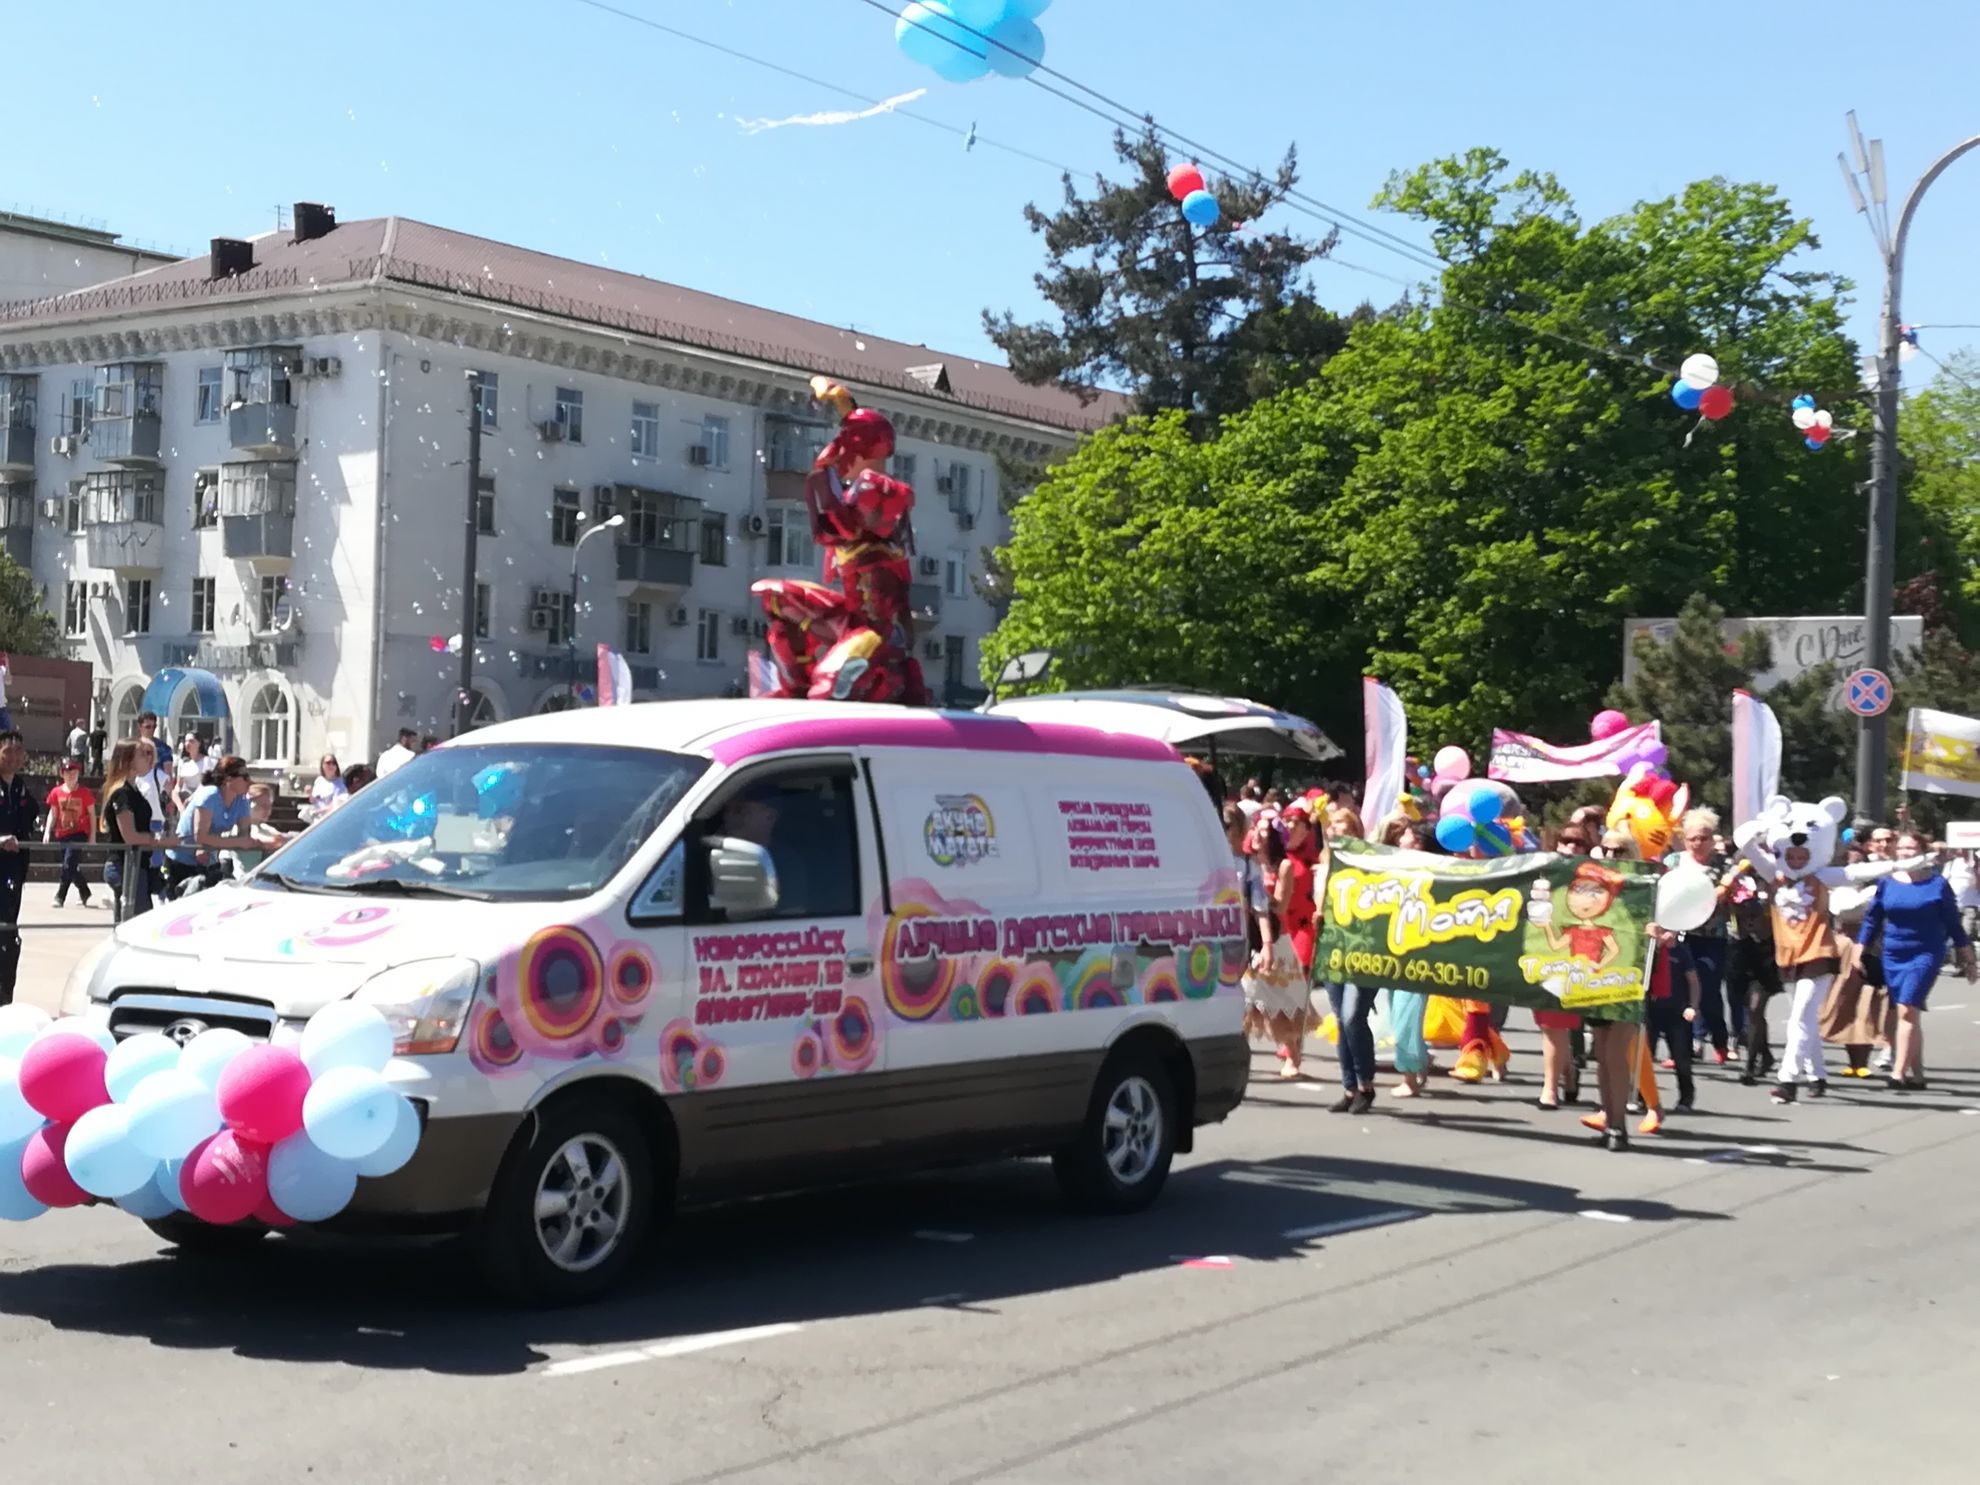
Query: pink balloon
x: 62, y: 1076
x: 1452, y: 763
x: 270, y: 1215
x: 1607, y: 724
x: 225, y: 1179
x: 45, y: 1170
x: 261, y: 1093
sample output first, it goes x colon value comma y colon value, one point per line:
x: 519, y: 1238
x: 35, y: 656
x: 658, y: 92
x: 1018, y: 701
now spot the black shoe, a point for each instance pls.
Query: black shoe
x: 1783, y: 1093
x: 1748, y: 1078
x: 60, y: 903
x: 1541, y: 1103
x: 1895, y: 1085
x: 1915, y: 1085
x: 1616, y: 1140
x: 1342, y: 1105
x: 1363, y: 1101
x: 1819, y: 1087
x: 1684, y: 1106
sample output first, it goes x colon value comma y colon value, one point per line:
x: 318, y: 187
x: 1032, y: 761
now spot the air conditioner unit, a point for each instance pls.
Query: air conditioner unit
x: 739, y: 626
x: 550, y: 431
x: 540, y: 617
x: 945, y: 484
x: 698, y: 455
x: 62, y: 443
x: 606, y: 493
x: 325, y: 366
x: 758, y: 629
x: 51, y: 508
x: 677, y: 618
x: 931, y: 567
x: 932, y: 650
x: 542, y: 598
x: 755, y: 526
x: 965, y: 521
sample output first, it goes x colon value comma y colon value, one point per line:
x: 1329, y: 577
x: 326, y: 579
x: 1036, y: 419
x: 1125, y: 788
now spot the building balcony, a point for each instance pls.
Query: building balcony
x: 265, y: 542
x: 132, y: 548
x: 17, y: 448
x: 925, y: 600
x: 264, y: 428
x: 19, y: 544
x: 17, y: 422
x: 126, y: 440
x: 658, y: 568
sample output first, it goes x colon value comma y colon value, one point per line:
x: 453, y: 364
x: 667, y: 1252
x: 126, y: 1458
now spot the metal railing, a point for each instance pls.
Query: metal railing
x: 131, y: 895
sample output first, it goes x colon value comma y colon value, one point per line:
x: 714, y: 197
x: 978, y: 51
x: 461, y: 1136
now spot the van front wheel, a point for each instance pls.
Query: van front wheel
x: 1120, y: 1158
x: 570, y: 1209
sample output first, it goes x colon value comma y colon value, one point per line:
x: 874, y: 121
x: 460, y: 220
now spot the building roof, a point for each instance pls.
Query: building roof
x: 402, y: 251
x: 83, y: 235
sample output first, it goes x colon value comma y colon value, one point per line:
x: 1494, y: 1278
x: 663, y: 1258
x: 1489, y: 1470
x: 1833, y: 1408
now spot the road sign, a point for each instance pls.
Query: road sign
x: 1867, y: 693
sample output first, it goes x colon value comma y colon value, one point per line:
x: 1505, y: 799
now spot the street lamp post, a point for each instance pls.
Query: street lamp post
x: 1873, y: 743
x: 610, y: 523
x: 471, y: 560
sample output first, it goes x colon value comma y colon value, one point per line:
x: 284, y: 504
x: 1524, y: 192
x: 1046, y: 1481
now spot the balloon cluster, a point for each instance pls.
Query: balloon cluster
x: 1475, y: 815
x: 450, y: 645
x: 1199, y: 207
x: 225, y: 1128
x: 962, y: 40
x: 1816, y: 423
x: 1697, y: 388
x: 1647, y: 751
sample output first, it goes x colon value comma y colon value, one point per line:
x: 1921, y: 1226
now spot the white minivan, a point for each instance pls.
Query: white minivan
x: 691, y: 951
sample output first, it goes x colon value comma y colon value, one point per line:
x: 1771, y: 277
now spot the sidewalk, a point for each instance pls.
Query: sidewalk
x: 53, y: 939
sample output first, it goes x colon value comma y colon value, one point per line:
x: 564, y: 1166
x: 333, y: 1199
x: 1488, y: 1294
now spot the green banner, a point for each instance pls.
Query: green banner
x: 1552, y: 932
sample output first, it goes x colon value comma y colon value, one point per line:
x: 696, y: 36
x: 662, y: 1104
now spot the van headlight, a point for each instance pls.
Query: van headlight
x: 82, y: 986
x: 426, y: 1003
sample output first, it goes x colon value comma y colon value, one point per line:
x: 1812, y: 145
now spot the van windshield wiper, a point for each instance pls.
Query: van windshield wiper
x: 399, y: 887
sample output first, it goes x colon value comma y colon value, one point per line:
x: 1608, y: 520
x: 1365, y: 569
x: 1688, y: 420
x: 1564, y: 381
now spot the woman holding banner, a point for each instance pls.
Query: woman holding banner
x: 1407, y: 1007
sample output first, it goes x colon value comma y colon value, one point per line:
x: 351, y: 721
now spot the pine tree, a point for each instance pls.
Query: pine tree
x: 26, y: 626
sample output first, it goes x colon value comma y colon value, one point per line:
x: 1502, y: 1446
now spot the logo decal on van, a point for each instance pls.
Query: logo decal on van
x: 567, y: 993
x: 959, y: 831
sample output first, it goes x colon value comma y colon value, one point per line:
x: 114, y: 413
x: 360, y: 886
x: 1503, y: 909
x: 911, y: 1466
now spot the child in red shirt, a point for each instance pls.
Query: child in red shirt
x: 71, y: 822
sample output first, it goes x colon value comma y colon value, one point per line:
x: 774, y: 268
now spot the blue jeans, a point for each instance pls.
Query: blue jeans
x: 1352, y: 1003
x: 1708, y: 957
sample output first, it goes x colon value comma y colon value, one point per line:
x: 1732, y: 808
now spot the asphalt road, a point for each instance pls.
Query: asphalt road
x: 1466, y: 1287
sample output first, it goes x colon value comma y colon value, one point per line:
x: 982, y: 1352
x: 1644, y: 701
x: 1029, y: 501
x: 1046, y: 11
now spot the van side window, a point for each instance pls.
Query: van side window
x: 659, y: 899
x: 808, y: 822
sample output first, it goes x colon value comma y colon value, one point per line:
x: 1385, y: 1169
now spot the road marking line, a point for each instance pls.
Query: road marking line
x: 1970, y: 1111
x: 1348, y: 1224
x: 1216, y: 1260
x: 685, y: 1345
x: 1601, y: 1216
x: 936, y: 1235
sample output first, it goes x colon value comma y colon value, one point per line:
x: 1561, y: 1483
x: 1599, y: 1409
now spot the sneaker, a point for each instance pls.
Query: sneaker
x: 1719, y: 1056
x: 1685, y: 1105
x: 1669, y: 1064
x: 1880, y: 1061
x: 1783, y: 1093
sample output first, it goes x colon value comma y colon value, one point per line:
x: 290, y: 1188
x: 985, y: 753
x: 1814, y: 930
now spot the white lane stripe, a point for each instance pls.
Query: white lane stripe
x: 1600, y: 1216
x: 1348, y: 1224
x: 685, y: 1345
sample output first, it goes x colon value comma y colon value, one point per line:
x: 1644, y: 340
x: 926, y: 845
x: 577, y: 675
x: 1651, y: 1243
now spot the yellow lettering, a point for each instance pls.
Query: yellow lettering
x: 1416, y: 918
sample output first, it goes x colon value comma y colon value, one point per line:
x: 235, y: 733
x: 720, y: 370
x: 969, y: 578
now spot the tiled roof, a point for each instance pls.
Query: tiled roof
x: 399, y: 250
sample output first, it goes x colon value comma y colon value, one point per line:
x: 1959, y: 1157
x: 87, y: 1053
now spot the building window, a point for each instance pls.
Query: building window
x: 72, y: 512
x: 790, y: 538
x: 708, y: 636
x: 204, y: 605
x: 137, y: 606
x: 562, y: 629
x: 955, y: 576
x: 646, y: 430
x: 75, y: 609
x: 274, y: 598
x: 790, y: 448
x: 564, y: 518
x: 484, y: 505
x: 954, y: 651
x: 258, y: 487
x: 260, y: 375
x: 715, y: 441
x: 116, y: 496
x: 484, y: 610
x: 657, y: 519
x: 486, y: 393
x: 715, y: 541
x: 82, y: 403
x: 206, y: 499
x: 953, y: 483
x: 206, y: 406
x: 901, y: 466
x: 570, y: 414
x: 268, y: 725
x: 639, y: 628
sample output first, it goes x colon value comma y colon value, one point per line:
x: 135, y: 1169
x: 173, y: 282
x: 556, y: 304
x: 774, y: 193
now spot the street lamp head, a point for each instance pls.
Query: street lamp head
x: 612, y: 521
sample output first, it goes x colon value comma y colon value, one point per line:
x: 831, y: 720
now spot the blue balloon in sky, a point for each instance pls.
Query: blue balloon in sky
x: 978, y: 15
x: 929, y: 33
x: 1686, y: 396
x: 1019, y: 48
x: 1031, y: 10
x: 1804, y: 401
x: 1200, y: 209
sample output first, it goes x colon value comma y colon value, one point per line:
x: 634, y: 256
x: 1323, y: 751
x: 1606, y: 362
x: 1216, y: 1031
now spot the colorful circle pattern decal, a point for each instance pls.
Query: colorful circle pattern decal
x: 917, y: 987
x: 560, y: 981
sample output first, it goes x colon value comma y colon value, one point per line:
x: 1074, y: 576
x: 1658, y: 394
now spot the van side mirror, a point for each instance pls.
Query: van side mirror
x: 742, y: 879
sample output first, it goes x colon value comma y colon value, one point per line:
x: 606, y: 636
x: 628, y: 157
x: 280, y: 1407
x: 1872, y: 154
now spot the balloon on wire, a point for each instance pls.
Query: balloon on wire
x: 963, y: 40
x: 1816, y: 424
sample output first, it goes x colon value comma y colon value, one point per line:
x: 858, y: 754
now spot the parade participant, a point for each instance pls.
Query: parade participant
x: 1918, y: 914
x: 1751, y: 973
x: 1671, y: 1008
x: 1707, y: 944
x: 1352, y: 1003
x: 1407, y: 1007
x: 1276, y: 999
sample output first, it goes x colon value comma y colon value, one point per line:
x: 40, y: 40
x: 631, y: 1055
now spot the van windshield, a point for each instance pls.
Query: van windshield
x: 527, y: 822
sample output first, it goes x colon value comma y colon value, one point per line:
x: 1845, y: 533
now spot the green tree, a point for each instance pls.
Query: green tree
x: 1200, y: 321
x: 26, y: 626
x: 1939, y: 516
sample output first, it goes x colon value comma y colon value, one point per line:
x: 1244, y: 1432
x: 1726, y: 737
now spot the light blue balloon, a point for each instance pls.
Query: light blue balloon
x: 100, y: 1156
x: 206, y: 1056
x: 133, y: 1060
x: 166, y: 1183
x: 1686, y: 396
x: 346, y: 1033
x: 978, y: 15
x: 15, y: 1203
x: 1020, y: 47
x: 1455, y: 833
x: 149, y: 1202
x: 398, y: 1147
x: 349, y: 1112
x: 96, y: 1031
x: 170, y: 1112
x: 306, y: 1183
x: 19, y: 1025
x: 928, y: 32
x: 962, y: 66
x: 1200, y: 209
x: 1031, y: 10
x: 17, y: 1120
x: 1804, y: 403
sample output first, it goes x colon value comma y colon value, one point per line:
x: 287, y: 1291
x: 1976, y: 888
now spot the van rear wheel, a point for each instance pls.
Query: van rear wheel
x: 570, y: 1209
x: 1120, y: 1158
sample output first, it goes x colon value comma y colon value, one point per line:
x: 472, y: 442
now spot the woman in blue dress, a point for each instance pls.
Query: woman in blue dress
x: 1919, y: 917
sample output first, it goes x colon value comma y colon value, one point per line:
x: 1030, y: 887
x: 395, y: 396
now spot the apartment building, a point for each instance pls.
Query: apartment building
x: 242, y: 480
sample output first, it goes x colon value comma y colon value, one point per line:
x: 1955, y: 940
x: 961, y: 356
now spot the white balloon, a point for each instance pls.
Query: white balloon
x: 1686, y: 899
x: 134, y: 1059
x: 1804, y: 417
x: 19, y: 1025
x: 17, y: 1120
x: 346, y: 1033
x: 1699, y: 370
x: 206, y: 1056
x: 1825, y: 419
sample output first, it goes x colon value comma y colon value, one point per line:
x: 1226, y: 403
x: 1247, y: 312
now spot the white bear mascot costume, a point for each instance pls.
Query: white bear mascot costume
x: 1793, y: 846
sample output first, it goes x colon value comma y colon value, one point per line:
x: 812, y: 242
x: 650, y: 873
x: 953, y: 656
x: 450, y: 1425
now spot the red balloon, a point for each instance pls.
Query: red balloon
x: 270, y: 1215
x: 1716, y: 402
x: 62, y: 1076
x: 1818, y: 434
x: 1183, y: 179
x: 261, y: 1094
x: 225, y: 1179
x: 45, y: 1168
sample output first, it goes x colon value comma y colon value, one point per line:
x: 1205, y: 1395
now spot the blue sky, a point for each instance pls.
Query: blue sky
x: 551, y: 124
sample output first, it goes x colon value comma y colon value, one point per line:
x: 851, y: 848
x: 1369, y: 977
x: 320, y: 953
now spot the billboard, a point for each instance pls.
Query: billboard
x: 1800, y: 644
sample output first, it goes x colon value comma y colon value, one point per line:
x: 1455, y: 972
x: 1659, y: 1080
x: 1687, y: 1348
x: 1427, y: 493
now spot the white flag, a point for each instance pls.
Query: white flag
x: 614, y: 678
x: 1386, y: 741
x: 1756, y: 776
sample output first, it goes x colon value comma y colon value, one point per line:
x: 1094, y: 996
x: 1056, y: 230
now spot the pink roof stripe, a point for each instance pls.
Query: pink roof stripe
x: 887, y: 729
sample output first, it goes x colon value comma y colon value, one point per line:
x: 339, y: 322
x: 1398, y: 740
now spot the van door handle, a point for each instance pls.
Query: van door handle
x: 859, y: 966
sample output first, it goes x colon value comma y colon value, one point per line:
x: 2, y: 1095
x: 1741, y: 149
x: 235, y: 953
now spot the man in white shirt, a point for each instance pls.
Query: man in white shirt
x: 400, y: 753
x: 79, y: 740
x: 1965, y: 882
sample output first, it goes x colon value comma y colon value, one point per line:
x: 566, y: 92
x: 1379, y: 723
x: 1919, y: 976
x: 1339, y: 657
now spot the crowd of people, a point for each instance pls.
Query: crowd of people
x: 1857, y: 975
